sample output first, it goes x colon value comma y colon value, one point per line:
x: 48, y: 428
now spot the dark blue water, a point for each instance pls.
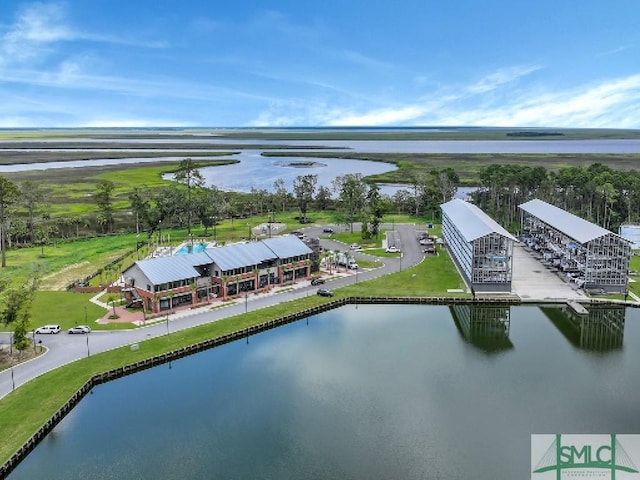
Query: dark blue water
x: 373, y: 392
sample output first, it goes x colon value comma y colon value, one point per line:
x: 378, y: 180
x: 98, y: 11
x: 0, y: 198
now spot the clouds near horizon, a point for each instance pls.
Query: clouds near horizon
x: 116, y: 63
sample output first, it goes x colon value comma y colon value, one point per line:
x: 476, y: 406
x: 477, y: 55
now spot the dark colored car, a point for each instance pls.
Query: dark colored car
x: 317, y: 281
x: 323, y: 292
x: 327, y: 230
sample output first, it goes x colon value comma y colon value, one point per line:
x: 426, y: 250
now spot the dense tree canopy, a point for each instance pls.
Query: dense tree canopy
x: 597, y: 193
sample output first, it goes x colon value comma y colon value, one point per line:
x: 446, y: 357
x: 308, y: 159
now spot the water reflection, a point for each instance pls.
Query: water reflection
x: 601, y: 330
x: 486, y: 327
x: 378, y: 392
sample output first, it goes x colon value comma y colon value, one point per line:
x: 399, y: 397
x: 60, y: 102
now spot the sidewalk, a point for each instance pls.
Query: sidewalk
x: 139, y: 318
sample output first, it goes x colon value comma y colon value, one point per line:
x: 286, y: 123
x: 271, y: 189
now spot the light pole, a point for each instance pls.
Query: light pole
x: 249, y: 226
x: 88, y: 352
x: 167, y: 319
x: 85, y: 314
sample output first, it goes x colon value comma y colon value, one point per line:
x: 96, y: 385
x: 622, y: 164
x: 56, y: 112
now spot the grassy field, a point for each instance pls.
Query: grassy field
x: 69, y: 191
x: 46, y: 156
x: 66, y: 262
x: 468, y: 165
x: 635, y: 269
x: 26, y: 409
x: 438, y: 133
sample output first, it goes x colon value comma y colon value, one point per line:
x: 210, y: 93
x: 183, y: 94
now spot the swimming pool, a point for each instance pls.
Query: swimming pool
x: 197, y: 248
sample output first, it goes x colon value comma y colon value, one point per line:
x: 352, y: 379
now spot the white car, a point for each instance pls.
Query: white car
x: 79, y: 329
x: 393, y: 249
x: 48, y: 329
x: 355, y: 246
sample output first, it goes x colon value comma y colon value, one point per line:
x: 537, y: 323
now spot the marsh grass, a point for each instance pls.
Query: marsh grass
x: 468, y: 166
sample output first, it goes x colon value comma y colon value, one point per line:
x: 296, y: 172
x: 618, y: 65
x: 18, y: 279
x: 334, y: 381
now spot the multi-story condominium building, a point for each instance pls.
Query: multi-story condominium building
x: 166, y: 282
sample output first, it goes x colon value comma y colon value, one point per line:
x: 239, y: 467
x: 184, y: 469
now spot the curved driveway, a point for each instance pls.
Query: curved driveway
x: 64, y: 348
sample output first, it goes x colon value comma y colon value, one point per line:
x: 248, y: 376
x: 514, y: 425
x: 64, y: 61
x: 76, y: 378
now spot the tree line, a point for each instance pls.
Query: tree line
x: 25, y: 219
x: 596, y: 193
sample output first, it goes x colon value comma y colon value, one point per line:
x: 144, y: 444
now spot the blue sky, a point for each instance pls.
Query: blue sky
x: 75, y: 63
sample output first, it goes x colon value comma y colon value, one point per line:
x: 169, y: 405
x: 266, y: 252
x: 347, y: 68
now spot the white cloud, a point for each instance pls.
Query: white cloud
x: 128, y: 122
x: 385, y: 116
x: 501, y: 77
x: 497, y: 100
x: 36, y: 27
x: 606, y: 104
x: 614, y: 51
x: 360, y: 60
x: 39, y: 26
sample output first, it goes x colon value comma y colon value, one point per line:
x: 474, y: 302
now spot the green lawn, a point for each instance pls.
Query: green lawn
x: 635, y: 267
x: 31, y: 405
x: 430, y: 278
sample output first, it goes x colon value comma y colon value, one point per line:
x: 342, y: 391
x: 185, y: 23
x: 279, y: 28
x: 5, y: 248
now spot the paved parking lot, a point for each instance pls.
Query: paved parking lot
x: 532, y: 280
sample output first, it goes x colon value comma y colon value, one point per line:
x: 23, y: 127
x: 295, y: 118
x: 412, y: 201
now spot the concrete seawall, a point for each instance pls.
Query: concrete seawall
x: 245, y: 333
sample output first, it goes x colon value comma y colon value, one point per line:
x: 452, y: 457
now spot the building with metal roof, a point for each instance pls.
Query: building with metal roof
x: 165, y: 282
x: 480, y: 247
x: 586, y: 254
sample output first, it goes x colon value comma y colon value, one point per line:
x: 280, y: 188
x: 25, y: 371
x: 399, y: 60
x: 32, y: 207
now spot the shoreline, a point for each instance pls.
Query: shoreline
x: 130, y: 368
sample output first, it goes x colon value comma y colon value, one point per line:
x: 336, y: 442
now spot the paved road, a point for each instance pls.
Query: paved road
x: 64, y: 348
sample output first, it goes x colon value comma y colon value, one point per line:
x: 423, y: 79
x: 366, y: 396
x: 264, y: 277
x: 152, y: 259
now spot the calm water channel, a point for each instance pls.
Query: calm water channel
x: 367, y: 392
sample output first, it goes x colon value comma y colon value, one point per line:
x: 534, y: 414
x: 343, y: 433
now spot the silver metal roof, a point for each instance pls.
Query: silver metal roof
x: 240, y: 255
x: 571, y: 225
x: 181, y: 267
x: 472, y: 222
x: 170, y: 269
x: 287, y: 246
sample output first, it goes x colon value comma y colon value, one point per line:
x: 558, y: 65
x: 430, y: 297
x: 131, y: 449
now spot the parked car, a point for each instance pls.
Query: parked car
x: 323, y: 292
x: 317, y: 281
x: 393, y: 249
x: 80, y: 329
x: 48, y: 329
x: 353, y: 266
x: 327, y: 230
